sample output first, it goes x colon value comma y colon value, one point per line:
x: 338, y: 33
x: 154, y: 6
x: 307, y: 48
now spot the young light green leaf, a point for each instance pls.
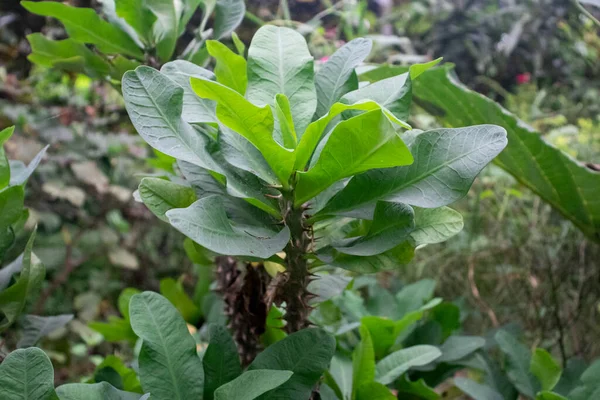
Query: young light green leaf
x: 174, y: 292
x: 169, y: 366
x: 547, y: 395
x: 5, y: 134
x: 239, y: 44
x: 476, y: 390
x: 221, y: 362
x: 94, y: 391
x: 337, y: 77
x: 393, y: 366
x: 168, y: 25
x: 11, y: 205
x: 84, y: 25
x: 389, y: 260
x: 115, y: 330
x: 124, y: 300
x: 392, y: 224
x: 13, y: 299
x: 68, y: 54
x: 314, y: 131
x: 306, y: 353
x: 363, y: 361
x: 18, y: 370
x: 229, y: 14
x: 393, y: 93
x: 517, y: 363
x: 374, y: 391
x: 35, y: 327
x: 435, y: 225
x: 446, y: 161
x: 349, y: 151
x: 160, y: 196
x: 545, y: 368
x: 230, y: 68
x: 279, y: 62
x: 206, y: 223
x: 252, y: 122
x: 195, y: 109
x: 457, y: 347
x: 569, y: 186
x: 286, y: 123
x: 154, y: 103
x: 252, y: 384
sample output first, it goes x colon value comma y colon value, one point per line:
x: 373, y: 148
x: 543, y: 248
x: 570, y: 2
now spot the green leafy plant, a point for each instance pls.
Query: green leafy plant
x: 133, y: 33
x: 169, y: 366
x: 301, y: 169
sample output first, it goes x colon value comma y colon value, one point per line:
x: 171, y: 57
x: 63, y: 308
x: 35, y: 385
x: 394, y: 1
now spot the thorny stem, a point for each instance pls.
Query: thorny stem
x: 294, y: 289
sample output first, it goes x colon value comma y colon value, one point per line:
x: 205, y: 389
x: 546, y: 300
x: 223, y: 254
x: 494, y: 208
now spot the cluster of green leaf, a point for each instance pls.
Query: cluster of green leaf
x: 414, y: 343
x: 169, y: 366
x: 134, y: 32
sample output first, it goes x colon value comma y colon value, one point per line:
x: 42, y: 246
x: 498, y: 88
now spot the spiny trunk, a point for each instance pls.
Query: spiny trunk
x: 244, y: 296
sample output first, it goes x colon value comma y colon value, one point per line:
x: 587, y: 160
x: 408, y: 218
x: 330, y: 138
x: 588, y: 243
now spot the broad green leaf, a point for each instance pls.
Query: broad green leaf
x: 417, y: 389
x: 392, y: 224
x: 252, y: 384
x: 349, y: 151
x: 274, y: 327
x: 124, y: 300
x: 446, y: 161
x: 545, y: 368
x: 195, y: 109
x: 94, y: 391
x: 206, y: 223
x: 128, y: 376
x: 5, y: 134
x: 279, y: 62
x: 546, y: 395
x: 337, y: 77
x: 476, y: 390
x: 393, y: 366
x: 23, y: 175
x: 68, y: 54
x: 363, y: 361
x: 389, y: 260
x: 518, y: 360
x: 413, y: 296
x: 374, y: 391
x: 13, y: 298
x: 11, y: 205
x: 435, y: 225
x: 457, y: 347
x: 35, y: 327
x: 167, y: 27
x: 252, y: 122
x: 228, y: 16
x: 393, y: 93
x: 27, y: 374
x: 314, y: 131
x: 221, y: 361
x: 230, y: 68
x: 306, y: 353
x: 137, y: 16
x: 154, y: 104
x: 286, y: 123
x: 173, y: 291
x: 84, y: 25
x: 169, y: 366
x: 569, y: 186
x: 114, y: 330
x: 160, y: 196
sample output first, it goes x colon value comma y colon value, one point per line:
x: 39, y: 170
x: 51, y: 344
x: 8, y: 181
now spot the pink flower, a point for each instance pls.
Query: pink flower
x: 523, y: 78
x: 324, y: 59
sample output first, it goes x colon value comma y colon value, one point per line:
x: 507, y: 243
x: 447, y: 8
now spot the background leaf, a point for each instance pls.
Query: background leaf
x: 393, y: 366
x: 169, y: 366
x: 545, y: 368
x: 518, y: 359
x: 221, y: 363
x: 306, y: 353
x: 95, y: 391
x: 252, y: 384
x: 36, y: 327
x: 17, y: 370
x: 476, y: 390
